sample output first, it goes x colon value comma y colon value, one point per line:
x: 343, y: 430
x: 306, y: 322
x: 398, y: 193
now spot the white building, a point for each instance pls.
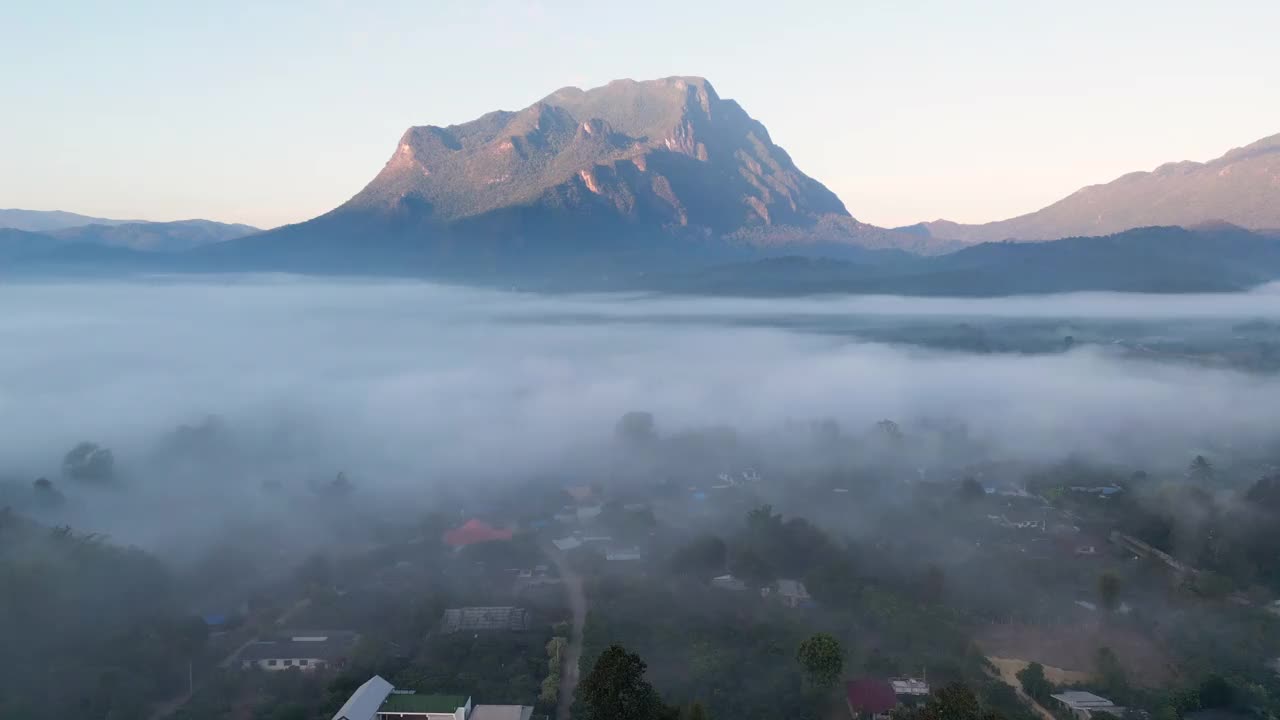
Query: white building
x: 378, y: 700
x: 1084, y: 704
x: 305, y: 652
x: 728, y: 582
x: 909, y: 687
x: 792, y: 593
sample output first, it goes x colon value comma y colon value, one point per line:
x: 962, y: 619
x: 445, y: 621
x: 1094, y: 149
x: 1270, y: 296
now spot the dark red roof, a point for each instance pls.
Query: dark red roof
x: 871, y: 695
x: 475, y: 531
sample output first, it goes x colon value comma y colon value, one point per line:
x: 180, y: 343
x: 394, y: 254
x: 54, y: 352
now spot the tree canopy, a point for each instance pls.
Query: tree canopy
x: 822, y: 660
x: 616, y: 689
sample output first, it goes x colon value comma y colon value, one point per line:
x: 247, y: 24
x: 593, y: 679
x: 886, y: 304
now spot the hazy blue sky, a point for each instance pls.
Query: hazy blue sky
x: 271, y: 112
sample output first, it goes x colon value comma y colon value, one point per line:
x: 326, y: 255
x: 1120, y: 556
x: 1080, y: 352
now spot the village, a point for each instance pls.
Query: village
x: 496, y: 611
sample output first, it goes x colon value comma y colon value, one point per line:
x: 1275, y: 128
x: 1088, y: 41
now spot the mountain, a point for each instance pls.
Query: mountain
x: 1241, y: 187
x: 112, y: 249
x: 18, y: 244
x: 44, y: 220
x: 609, y: 177
x: 155, y: 236
x: 1218, y: 258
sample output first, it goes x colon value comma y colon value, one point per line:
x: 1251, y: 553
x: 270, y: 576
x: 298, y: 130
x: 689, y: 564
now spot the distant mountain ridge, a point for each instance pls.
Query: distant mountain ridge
x: 1213, y: 259
x: 1242, y: 188
x: 45, y: 220
x: 155, y: 236
x: 58, y: 229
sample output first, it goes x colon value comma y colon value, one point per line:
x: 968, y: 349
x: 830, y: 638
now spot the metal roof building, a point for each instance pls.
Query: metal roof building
x: 1083, y: 704
x: 484, y: 618
x: 365, y: 701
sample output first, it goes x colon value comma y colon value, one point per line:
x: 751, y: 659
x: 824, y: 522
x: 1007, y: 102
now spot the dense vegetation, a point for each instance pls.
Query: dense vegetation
x: 90, y: 630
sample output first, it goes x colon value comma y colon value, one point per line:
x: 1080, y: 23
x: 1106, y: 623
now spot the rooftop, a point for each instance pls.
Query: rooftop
x: 475, y: 531
x: 485, y: 618
x: 501, y: 712
x: 870, y: 695
x: 417, y: 703
x: 328, y: 646
x: 792, y: 588
x: 365, y: 701
x: 909, y: 686
x: 1081, y: 700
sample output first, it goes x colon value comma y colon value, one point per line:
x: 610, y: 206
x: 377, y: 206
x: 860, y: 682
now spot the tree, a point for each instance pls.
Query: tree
x: 935, y: 583
x: 88, y: 461
x: 1200, y: 470
x: 821, y: 659
x: 1109, y: 590
x: 826, y: 432
x: 615, y: 689
x: 1034, y: 683
x: 46, y: 494
x: 762, y: 521
x: 1265, y: 493
x: 971, y: 489
x: 636, y: 428
x: 1110, y: 671
x: 706, y: 554
x: 751, y: 568
x: 952, y: 702
x: 1216, y: 692
x: 890, y: 430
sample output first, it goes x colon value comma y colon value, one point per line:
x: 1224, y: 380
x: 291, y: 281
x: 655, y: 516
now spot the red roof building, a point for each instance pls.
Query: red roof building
x: 870, y: 698
x: 474, y: 532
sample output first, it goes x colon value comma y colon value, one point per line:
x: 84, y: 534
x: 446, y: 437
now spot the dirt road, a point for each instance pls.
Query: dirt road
x: 573, y: 652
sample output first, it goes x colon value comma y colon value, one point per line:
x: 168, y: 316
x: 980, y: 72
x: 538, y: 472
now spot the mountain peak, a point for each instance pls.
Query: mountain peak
x: 667, y: 152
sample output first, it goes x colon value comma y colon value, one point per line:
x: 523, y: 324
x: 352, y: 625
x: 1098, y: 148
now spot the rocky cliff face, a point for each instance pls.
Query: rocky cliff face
x: 659, y: 154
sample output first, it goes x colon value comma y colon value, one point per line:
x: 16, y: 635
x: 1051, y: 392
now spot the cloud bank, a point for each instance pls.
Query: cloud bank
x: 403, y: 384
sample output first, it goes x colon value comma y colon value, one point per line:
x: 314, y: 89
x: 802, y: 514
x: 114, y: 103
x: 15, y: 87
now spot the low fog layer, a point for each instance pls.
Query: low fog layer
x: 404, y: 385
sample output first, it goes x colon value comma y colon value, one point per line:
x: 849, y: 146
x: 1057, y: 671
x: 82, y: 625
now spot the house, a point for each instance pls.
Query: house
x: 870, y: 699
x: 310, y: 651
x: 792, y: 593
x: 623, y: 555
x: 365, y: 701
x: 909, y: 687
x: 566, y: 544
x: 581, y: 494
x: 484, y: 618
x: 410, y: 705
x: 1019, y: 523
x: 1142, y: 549
x: 1104, y: 491
x: 728, y: 582
x: 475, y: 532
x: 1084, y: 704
x: 376, y: 699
